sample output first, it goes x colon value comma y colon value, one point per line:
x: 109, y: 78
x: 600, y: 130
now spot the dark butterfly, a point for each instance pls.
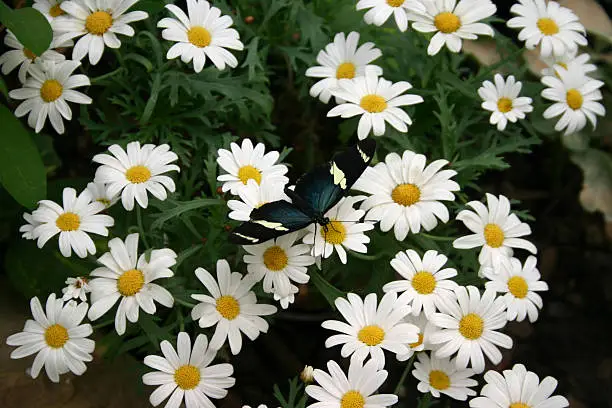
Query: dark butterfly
x: 315, y: 193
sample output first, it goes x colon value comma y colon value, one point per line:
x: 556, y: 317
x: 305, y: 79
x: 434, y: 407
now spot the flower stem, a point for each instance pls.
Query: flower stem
x: 103, y: 324
x: 404, y: 374
x: 184, y: 303
x: 436, y: 237
x: 140, y: 227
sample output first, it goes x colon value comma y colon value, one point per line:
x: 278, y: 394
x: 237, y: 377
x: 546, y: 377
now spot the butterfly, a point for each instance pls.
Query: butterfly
x: 315, y: 193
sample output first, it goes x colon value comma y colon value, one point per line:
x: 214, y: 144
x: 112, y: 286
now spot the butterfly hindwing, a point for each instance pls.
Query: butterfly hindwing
x: 323, y: 187
x: 269, y: 221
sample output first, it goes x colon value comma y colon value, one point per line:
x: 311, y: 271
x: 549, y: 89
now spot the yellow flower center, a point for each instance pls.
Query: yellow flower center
x: 517, y: 285
x: 199, y: 36
x: 104, y: 201
x: 447, y: 22
x: 29, y: 54
x: 130, y: 282
x: 56, y: 11
x: 346, y: 70
x: 51, y: 90
x: 519, y: 405
x: 248, y: 172
x: 138, y: 174
x: 228, y: 307
x: 56, y: 336
x: 371, y: 335
x: 504, y: 104
x: 471, y: 326
x: 439, y: 380
x: 335, y: 234
x: 574, y: 99
x: 418, y: 342
x: 352, y: 399
x: 494, y: 235
x: 424, y: 282
x: 548, y: 26
x: 187, y: 377
x: 275, y: 258
x: 395, y: 3
x: 68, y: 221
x: 98, y: 22
x: 406, y: 194
x: 373, y: 103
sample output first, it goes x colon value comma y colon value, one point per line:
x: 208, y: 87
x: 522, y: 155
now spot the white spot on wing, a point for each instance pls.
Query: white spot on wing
x: 339, y: 177
x: 364, y: 156
x: 247, y: 237
x: 276, y: 226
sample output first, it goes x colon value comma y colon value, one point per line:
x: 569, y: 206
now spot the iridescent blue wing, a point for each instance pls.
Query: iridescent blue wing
x: 323, y: 187
x: 269, y: 221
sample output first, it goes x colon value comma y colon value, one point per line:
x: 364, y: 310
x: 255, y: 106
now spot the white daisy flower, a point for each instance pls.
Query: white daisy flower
x: 425, y: 330
x: 279, y: 263
x: 232, y: 307
x: 185, y: 374
x: 502, y: 98
x: 49, y: 8
x: 253, y: 196
x: 495, y: 230
x: 73, y: 221
x: 129, y: 277
x: 97, y: 23
x: 46, y: 91
x: 57, y: 336
x: 576, y: 96
x: 23, y: 57
x: 246, y: 162
x: 519, y: 285
x: 380, y: 11
x: 371, y: 327
x: 452, y: 22
x: 136, y: 171
x: 342, y: 59
x: 518, y: 388
x: 425, y: 281
x: 568, y: 61
x: 554, y: 28
x: 353, y: 391
x: 77, y: 288
x: 286, y: 299
x: 203, y: 33
x: 99, y: 192
x: 376, y: 100
x: 468, y: 325
x: 441, y: 376
x: 27, y: 229
x: 343, y: 231
x: 405, y: 194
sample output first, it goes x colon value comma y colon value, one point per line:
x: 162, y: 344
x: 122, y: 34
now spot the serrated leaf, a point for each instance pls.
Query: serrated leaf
x: 181, y: 207
x: 29, y: 26
x: 22, y: 172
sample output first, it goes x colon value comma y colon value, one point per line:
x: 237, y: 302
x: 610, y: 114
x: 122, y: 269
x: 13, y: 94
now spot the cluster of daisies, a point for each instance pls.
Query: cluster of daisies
x: 448, y: 331
x: 48, y: 81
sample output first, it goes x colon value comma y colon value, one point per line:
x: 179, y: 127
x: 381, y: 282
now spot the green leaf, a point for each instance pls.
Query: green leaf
x: 183, y: 207
x: 22, y: 171
x: 29, y: 26
x: 329, y: 291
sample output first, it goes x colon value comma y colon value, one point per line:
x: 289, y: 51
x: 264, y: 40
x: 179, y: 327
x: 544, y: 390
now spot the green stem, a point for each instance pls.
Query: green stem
x: 437, y: 238
x: 184, y: 303
x: 425, y: 401
x: 103, y: 324
x: 140, y: 227
x: 100, y: 78
x: 404, y: 374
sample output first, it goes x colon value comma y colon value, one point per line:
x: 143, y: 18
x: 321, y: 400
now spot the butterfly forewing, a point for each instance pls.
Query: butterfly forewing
x: 269, y: 221
x: 323, y: 187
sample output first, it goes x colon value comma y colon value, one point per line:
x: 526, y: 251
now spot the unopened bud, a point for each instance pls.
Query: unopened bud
x: 307, y: 374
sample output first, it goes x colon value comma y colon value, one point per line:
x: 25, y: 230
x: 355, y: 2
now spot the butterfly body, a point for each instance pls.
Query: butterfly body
x: 314, y: 194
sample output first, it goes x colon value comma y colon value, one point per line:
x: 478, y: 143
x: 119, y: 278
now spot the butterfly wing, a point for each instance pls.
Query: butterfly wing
x: 323, y: 187
x: 269, y: 221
